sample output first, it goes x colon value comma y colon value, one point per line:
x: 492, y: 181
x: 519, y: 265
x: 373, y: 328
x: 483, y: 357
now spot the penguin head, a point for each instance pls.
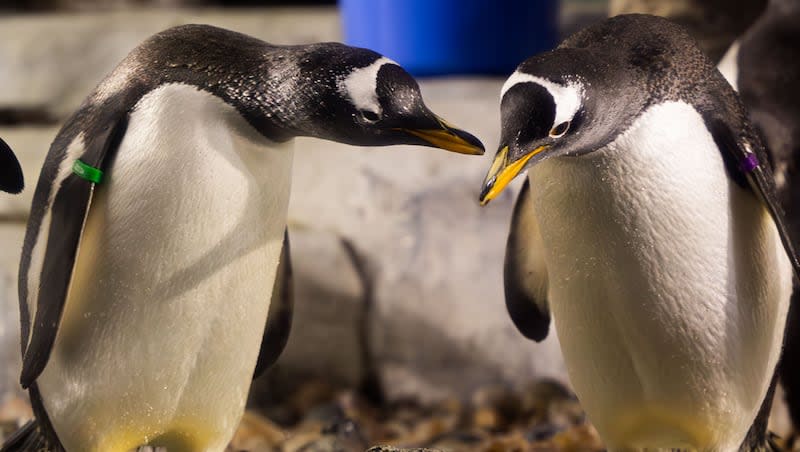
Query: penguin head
x: 11, y: 179
x: 541, y: 118
x: 365, y: 99
x: 567, y: 102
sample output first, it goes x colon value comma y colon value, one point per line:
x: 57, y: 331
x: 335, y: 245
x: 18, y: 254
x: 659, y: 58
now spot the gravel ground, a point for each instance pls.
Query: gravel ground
x: 316, y: 418
x: 544, y: 416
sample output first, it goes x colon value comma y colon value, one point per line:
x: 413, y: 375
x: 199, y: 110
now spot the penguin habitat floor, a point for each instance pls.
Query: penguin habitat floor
x: 544, y: 416
x: 317, y: 418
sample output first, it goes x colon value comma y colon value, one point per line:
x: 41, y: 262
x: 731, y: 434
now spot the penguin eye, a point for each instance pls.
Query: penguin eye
x: 370, y: 116
x: 559, y: 130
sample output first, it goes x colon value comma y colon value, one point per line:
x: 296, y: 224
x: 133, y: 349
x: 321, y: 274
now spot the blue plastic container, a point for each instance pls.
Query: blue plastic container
x: 437, y: 37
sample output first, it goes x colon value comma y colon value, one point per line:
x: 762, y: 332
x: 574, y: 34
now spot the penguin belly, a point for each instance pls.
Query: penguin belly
x: 668, y: 285
x: 169, y: 298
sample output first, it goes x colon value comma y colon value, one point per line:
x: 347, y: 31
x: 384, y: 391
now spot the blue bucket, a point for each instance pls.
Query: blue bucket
x: 438, y: 37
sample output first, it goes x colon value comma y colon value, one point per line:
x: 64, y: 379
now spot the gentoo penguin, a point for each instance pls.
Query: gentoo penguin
x: 649, y: 229
x: 764, y: 66
x: 157, y: 225
x: 11, y: 180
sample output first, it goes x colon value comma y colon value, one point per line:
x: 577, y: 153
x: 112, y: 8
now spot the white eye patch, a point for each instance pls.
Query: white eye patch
x: 360, y: 86
x: 567, y: 98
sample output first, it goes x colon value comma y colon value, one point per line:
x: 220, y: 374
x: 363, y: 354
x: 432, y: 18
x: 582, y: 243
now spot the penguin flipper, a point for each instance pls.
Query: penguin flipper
x: 68, y: 211
x: 279, y: 318
x: 748, y: 160
x: 11, y: 179
x: 525, y: 271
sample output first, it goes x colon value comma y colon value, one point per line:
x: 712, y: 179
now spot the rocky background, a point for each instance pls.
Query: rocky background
x: 400, y: 334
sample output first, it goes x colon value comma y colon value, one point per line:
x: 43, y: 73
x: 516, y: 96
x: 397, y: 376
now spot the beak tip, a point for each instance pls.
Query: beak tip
x: 484, y: 198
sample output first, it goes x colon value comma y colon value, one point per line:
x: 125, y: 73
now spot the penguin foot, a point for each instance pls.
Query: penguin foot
x: 29, y: 438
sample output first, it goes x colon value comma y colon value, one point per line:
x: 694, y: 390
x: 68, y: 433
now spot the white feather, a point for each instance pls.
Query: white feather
x: 668, y: 285
x: 173, y: 280
x: 73, y: 152
x: 360, y: 86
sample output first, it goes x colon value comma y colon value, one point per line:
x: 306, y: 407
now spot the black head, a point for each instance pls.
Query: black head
x: 541, y: 118
x: 579, y: 97
x: 359, y: 97
x: 11, y: 179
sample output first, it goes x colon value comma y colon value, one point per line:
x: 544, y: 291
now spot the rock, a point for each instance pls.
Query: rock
x: 507, y: 443
x: 460, y: 440
x: 581, y: 438
x: 714, y: 23
x: 496, y: 408
x: 343, y: 435
x: 257, y: 433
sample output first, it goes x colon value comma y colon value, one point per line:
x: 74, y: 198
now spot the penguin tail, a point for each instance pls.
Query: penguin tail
x: 29, y: 438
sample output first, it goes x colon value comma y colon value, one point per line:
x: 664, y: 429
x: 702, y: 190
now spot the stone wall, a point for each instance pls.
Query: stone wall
x: 397, y: 268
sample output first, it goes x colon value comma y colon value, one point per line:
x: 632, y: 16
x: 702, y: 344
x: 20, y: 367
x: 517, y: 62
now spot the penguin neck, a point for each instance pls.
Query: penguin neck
x: 280, y: 104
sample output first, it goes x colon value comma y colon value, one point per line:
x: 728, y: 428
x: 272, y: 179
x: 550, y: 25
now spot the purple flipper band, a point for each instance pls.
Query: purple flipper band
x: 749, y: 163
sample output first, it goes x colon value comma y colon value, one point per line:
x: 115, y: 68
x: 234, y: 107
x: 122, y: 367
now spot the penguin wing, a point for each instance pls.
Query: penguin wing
x: 70, y: 175
x: 279, y: 318
x: 748, y: 160
x: 11, y: 179
x: 525, y: 271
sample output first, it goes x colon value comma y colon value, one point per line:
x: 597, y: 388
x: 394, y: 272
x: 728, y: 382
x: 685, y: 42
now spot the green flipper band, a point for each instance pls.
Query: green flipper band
x: 87, y: 172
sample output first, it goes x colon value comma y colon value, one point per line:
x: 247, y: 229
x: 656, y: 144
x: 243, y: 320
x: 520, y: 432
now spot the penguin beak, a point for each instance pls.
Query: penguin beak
x: 444, y: 136
x: 502, y: 172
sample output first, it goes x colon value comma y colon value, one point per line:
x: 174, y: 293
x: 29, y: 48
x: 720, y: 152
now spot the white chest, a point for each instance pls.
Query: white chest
x: 173, y: 280
x: 666, y: 281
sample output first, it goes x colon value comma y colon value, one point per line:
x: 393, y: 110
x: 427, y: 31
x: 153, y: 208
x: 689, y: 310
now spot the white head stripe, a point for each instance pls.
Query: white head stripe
x: 567, y: 98
x: 360, y: 86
